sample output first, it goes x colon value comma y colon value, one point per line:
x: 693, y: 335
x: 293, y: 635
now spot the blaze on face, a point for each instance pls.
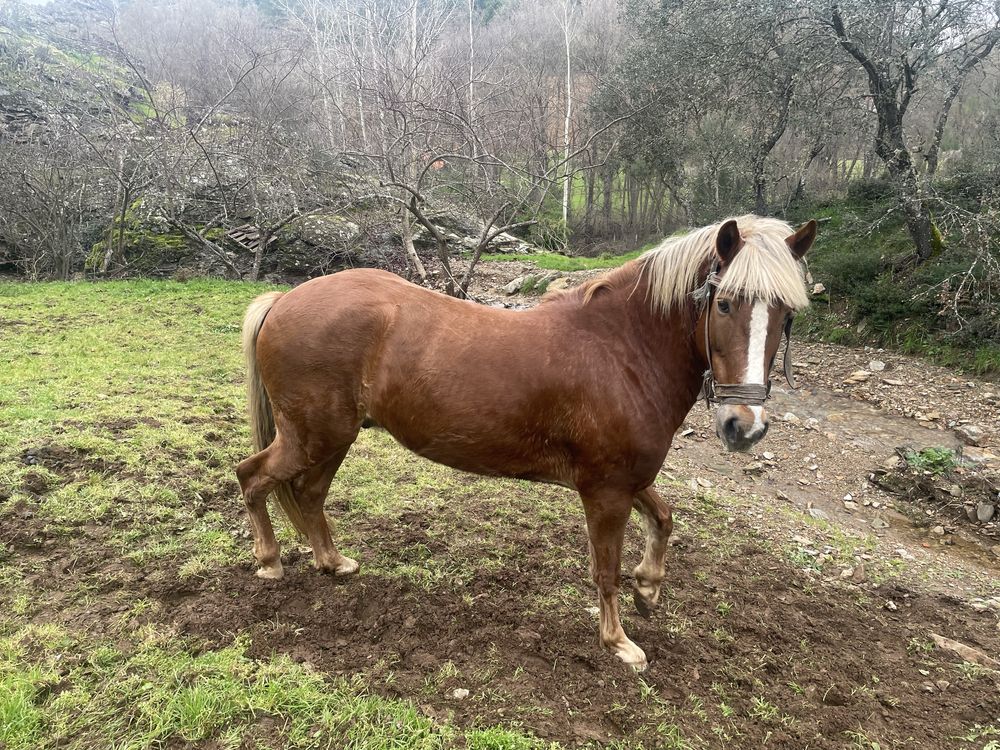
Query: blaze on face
x: 744, y: 336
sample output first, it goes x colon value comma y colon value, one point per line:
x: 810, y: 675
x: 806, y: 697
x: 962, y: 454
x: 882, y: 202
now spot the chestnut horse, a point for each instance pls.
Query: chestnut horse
x: 585, y: 390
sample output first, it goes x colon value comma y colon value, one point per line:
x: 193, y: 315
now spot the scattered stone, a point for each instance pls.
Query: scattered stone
x: 967, y: 653
x: 791, y: 418
x: 859, y: 573
x: 995, y: 549
x: 879, y: 523
x: 559, y: 284
x: 891, y: 605
x: 942, y: 685
x: 593, y: 611
x: 905, y: 554
x: 985, y: 511
x: 848, y: 505
x: 818, y: 288
x: 970, y: 512
x: 876, y: 365
x: 970, y: 434
x: 688, y: 431
x: 704, y: 483
x: 973, y: 455
x: 890, y: 381
x: 782, y: 496
x: 460, y: 694
x: 768, y: 456
x: 818, y: 514
x: 755, y: 468
x: 514, y: 286
x: 938, y: 530
x: 858, y: 376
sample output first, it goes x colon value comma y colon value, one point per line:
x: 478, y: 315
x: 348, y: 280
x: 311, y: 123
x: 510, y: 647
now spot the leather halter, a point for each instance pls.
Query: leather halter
x: 742, y: 394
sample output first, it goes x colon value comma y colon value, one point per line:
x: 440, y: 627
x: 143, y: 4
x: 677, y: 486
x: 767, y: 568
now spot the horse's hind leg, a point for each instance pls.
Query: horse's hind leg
x: 258, y: 475
x: 310, y: 492
x: 607, y: 514
x: 649, y: 573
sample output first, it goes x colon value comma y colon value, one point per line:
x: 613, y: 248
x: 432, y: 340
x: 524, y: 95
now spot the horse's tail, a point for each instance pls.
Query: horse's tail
x: 261, y: 417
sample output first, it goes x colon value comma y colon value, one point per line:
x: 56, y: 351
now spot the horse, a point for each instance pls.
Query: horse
x: 585, y: 390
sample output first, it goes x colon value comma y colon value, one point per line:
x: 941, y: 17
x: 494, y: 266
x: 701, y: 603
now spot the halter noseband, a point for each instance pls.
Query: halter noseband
x: 743, y: 394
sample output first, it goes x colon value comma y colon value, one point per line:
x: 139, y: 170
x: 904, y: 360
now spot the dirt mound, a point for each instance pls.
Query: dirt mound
x: 829, y: 660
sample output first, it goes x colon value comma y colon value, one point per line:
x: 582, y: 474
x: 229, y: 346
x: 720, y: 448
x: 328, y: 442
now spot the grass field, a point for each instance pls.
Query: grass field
x: 130, y: 616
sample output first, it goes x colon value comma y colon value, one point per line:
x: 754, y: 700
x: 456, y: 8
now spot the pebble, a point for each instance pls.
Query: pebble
x: 876, y: 365
x: 970, y: 434
x: 985, y: 511
x: 514, y: 286
x: 904, y: 554
x: 890, y: 381
x: 791, y: 418
x: 858, y: 376
x: 880, y: 523
x: 848, y: 505
x: 818, y: 514
x: 703, y: 483
x: 460, y: 694
x: 939, y: 530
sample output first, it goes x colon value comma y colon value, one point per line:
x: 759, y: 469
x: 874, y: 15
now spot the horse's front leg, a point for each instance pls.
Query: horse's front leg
x: 607, y: 513
x: 649, y: 573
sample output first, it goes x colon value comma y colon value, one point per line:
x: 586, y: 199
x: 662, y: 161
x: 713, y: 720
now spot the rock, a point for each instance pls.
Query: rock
x: 985, y: 511
x: 979, y: 456
x: 879, y: 523
x: 767, y: 456
x: 858, y: 376
x: 460, y: 694
x: 938, y: 530
x: 818, y: 514
x: 891, y: 605
x: 970, y: 434
x: 818, y: 289
x: 782, y: 495
x: 755, y: 468
x: 703, y: 483
x: 593, y: 611
x: 859, y: 573
x: 559, y: 284
x: 876, y: 365
x: 514, y: 286
x: 850, y: 505
x: 942, y: 685
x: 904, y: 554
x: 995, y: 549
x: 890, y: 381
x: 791, y: 418
x: 970, y: 512
x: 967, y: 653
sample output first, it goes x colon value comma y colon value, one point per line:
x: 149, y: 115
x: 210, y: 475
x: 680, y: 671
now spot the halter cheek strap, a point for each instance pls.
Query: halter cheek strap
x: 741, y: 394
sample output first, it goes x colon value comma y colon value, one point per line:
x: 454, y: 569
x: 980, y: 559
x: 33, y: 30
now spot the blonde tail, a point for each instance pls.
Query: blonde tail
x: 261, y: 418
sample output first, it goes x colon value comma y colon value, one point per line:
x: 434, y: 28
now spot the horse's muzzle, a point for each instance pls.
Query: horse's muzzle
x: 740, y: 427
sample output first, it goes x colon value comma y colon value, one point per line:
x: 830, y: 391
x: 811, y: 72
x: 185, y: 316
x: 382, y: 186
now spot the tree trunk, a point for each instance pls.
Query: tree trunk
x: 411, y: 252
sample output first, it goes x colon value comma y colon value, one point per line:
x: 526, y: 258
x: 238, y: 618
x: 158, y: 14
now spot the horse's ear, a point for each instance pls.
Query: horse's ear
x: 728, y: 241
x: 802, y: 240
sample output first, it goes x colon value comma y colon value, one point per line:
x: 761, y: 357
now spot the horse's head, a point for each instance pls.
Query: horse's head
x: 742, y: 330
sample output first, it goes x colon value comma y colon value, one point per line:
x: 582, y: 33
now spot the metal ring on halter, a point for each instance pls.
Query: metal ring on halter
x: 740, y: 394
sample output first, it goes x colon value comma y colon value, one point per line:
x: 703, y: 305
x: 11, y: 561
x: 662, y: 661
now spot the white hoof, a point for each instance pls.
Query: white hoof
x: 632, y: 655
x: 272, y: 572
x: 346, y: 566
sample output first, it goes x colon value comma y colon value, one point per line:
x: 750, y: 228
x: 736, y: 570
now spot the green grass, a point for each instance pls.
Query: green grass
x: 934, y: 460
x: 860, y: 241
x: 557, y: 262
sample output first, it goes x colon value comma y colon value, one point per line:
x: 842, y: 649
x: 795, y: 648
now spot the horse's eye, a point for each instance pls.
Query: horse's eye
x: 724, y: 306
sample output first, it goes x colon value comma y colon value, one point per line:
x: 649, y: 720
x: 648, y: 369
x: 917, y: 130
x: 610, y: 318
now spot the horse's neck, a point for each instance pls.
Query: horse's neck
x: 664, y: 341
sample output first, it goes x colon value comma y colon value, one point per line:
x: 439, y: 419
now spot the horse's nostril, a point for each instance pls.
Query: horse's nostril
x: 731, y: 429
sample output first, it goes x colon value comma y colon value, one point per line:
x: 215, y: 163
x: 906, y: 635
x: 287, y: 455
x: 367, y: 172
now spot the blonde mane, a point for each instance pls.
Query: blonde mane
x: 763, y: 269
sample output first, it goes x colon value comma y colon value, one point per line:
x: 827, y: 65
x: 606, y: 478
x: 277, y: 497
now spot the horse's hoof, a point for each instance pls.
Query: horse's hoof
x: 632, y: 655
x: 346, y: 566
x: 642, y: 605
x: 271, y: 572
